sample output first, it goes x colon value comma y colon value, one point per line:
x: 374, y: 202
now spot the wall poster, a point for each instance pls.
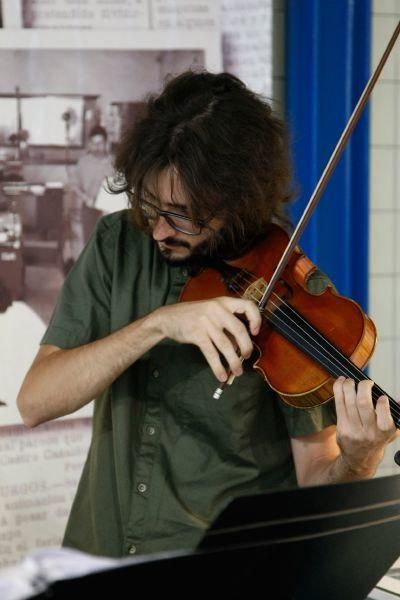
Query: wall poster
x: 55, y: 87
x: 69, y: 68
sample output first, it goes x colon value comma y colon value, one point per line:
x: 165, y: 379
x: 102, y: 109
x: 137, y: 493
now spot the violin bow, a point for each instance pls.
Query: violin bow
x: 334, y: 159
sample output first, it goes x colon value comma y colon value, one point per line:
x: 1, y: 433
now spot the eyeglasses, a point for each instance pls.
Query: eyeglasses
x: 181, y: 223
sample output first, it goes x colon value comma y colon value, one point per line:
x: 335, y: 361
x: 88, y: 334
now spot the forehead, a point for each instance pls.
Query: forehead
x: 167, y: 188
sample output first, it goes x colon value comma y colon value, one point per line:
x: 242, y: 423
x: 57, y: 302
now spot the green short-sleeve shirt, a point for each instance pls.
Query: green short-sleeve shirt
x: 165, y: 457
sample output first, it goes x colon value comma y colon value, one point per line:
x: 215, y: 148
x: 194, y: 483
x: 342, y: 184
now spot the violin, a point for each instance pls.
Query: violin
x: 306, y: 341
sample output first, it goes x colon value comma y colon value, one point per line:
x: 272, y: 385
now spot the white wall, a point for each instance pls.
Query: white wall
x: 384, y: 250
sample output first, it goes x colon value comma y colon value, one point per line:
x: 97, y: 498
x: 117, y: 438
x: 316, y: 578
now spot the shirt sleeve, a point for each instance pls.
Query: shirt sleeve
x: 82, y: 312
x: 302, y: 421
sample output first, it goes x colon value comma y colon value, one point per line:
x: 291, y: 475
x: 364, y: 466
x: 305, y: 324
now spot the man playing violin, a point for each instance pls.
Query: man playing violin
x: 206, y: 170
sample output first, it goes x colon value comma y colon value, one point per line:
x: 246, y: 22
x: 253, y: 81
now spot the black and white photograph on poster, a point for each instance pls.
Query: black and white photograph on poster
x: 59, y: 127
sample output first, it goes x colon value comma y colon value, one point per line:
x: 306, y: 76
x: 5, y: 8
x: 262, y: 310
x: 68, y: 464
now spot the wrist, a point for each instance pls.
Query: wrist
x: 156, y: 323
x: 355, y: 470
x: 153, y: 326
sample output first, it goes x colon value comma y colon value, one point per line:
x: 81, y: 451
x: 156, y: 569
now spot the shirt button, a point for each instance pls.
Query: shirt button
x: 132, y: 549
x: 142, y: 487
x: 151, y: 430
x: 185, y: 272
x: 156, y: 373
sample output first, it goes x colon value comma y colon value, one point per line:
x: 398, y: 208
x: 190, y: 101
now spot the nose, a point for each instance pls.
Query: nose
x: 162, y: 230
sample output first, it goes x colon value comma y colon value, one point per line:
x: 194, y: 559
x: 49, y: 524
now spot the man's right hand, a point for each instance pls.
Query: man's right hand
x: 215, y: 327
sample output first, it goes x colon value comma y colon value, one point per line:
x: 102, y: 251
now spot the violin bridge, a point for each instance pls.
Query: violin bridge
x: 255, y: 290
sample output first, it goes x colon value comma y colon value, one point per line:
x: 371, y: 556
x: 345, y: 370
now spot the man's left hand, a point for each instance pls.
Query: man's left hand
x: 363, y: 431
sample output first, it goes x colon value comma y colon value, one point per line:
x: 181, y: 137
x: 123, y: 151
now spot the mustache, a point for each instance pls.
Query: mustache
x: 172, y: 242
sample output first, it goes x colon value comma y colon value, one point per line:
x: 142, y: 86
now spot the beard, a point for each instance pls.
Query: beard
x: 171, y: 242
x: 196, y: 254
x: 219, y: 246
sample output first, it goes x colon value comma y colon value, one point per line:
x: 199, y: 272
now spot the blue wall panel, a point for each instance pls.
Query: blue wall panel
x: 327, y: 67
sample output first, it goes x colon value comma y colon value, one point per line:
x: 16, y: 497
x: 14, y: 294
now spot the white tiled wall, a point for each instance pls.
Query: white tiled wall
x: 384, y: 243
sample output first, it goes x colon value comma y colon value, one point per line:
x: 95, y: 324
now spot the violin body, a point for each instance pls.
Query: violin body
x: 297, y: 325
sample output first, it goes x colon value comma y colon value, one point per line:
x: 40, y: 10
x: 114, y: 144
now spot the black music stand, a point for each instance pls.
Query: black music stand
x: 331, y: 542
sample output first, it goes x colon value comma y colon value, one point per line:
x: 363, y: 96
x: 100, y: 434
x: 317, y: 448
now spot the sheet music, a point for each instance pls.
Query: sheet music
x: 40, y: 568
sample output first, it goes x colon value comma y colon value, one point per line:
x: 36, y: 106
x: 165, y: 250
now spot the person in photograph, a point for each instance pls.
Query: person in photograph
x: 207, y: 171
x: 85, y: 183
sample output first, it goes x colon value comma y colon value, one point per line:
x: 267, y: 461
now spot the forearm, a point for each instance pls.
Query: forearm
x: 66, y: 380
x: 336, y: 470
x: 319, y: 459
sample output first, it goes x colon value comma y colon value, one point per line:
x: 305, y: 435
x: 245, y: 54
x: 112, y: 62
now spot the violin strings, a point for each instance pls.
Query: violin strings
x: 336, y: 362
x: 343, y: 357
x: 324, y: 352
x: 343, y: 362
x: 333, y: 361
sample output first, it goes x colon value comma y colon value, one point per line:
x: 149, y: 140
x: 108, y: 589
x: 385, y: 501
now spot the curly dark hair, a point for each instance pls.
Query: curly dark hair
x: 229, y: 150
